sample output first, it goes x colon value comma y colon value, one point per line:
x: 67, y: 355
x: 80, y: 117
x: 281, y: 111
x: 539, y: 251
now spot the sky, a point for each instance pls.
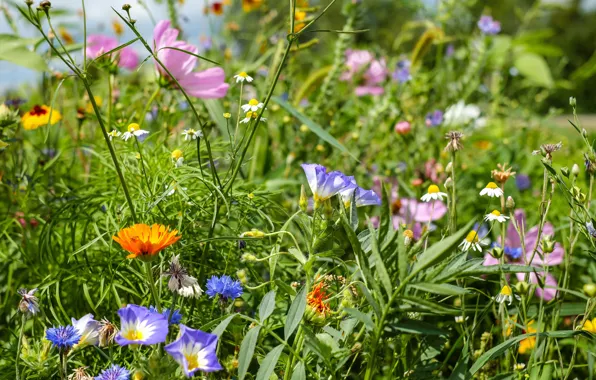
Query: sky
x: 99, y: 18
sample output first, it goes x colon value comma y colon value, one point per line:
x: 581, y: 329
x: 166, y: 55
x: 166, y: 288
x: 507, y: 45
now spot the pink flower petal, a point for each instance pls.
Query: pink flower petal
x: 207, y: 84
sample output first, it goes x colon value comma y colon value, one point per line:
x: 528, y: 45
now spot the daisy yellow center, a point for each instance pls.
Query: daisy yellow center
x: 176, y: 154
x: 251, y: 115
x: 253, y: 102
x: 506, y: 291
x: 432, y: 189
x: 133, y: 127
x: 491, y: 185
x: 243, y: 74
x: 472, y: 237
x: 496, y: 213
x: 133, y: 335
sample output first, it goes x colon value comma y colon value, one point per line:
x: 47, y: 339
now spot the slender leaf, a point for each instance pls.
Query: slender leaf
x: 267, y: 305
x: 378, y: 260
x: 268, y: 364
x: 295, y: 313
x: 299, y: 372
x: 443, y: 289
x: 247, y: 350
x: 223, y: 325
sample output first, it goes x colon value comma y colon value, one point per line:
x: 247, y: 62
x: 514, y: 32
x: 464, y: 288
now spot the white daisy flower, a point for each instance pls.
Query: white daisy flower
x: 506, y: 295
x: 134, y: 130
x: 433, y: 194
x: 178, y: 158
x: 495, y: 215
x: 243, y: 76
x: 253, y: 105
x: 492, y: 190
x: 460, y: 319
x: 113, y: 134
x: 251, y: 115
x: 471, y: 241
x: 191, y: 134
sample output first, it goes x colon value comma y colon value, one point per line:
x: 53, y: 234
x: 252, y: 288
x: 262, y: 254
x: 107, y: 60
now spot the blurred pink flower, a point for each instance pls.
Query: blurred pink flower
x: 431, y: 171
x: 403, y: 127
x: 98, y: 44
x: 373, y: 71
x: 206, y: 84
x: 356, y: 61
x: 514, y: 254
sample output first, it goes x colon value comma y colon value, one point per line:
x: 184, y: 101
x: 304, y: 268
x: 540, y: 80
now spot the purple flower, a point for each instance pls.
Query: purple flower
x: 363, y: 197
x: 98, y: 44
x: 224, y: 286
x: 488, y: 26
x: 115, y: 372
x: 207, y: 84
x: 514, y: 253
x: 434, y: 119
x: 194, y: 350
x: 522, y: 181
x: 356, y: 61
x: 373, y: 71
x: 63, y: 337
x: 402, y: 71
x: 322, y: 184
x: 176, y: 315
x: 138, y: 325
x: 450, y: 50
x: 29, y: 303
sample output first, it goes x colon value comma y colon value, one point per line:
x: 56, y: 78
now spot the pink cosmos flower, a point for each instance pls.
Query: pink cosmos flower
x: 98, y: 44
x: 514, y: 254
x: 206, y: 84
x: 356, y: 61
x: 375, y: 72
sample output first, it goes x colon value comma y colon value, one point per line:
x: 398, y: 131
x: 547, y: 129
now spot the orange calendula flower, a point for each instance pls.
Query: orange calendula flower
x: 251, y: 5
x: 316, y: 299
x: 40, y: 116
x: 528, y: 344
x: 145, y: 242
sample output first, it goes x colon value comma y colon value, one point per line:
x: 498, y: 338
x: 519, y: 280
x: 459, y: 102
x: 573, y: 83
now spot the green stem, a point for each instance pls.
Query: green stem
x: 453, y: 211
x: 296, y: 346
x: 19, y: 344
x: 63, y: 365
x: 147, y: 105
x: 152, y: 288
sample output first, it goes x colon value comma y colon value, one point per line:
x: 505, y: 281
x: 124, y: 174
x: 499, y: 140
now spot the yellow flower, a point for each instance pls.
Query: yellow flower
x: 590, y: 326
x: 117, y: 28
x: 176, y: 154
x: 254, y: 233
x: 40, y: 116
x: 98, y: 101
x: 299, y: 16
x: 145, y: 242
x: 528, y: 344
x: 251, y: 5
x: 227, y: 115
x: 65, y: 35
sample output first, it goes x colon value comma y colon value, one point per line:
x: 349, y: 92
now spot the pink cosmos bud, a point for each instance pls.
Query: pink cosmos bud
x: 403, y: 128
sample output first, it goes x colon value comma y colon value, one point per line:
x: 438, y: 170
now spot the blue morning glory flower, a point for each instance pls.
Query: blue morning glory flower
x: 63, y: 337
x: 224, y: 286
x: 176, y: 316
x: 362, y: 196
x: 115, y: 372
x: 194, y: 350
x: 522, y: 181
x: 402, y: 71
x: 322, y: 184
x: 138, y: 325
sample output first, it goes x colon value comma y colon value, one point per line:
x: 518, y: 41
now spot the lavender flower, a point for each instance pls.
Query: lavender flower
x: 115, y: 372
x: 488, y: 26
x: 522, y: 181
x: 224, y: 286
x: 322, y: 184
x: 138, y: 325
x: 402, y: 71
x: 194, y: 350
x: 362, y: 196
x: 63, y: 337
x: 434, y: 119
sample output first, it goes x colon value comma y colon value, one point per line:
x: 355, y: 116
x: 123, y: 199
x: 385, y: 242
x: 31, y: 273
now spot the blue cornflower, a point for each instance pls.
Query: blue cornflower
x: 434, y: 119
x: 513, y: 253
x: 176, y: 316
x: 487, y: 25
x: 402, y: 71
x: 115, y: 372
x: 224, y: 286
x: 522, y: 181
x: 63, y: 337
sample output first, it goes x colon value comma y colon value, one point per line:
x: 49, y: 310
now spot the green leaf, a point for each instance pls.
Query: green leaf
x: 443, y: 289
x: 223, y: 325
x: 267, y: 305
x: 247, y: 350
x: 298, y: 255
x: 299, y: 372
x: 419, y: 327
x: 295, y: 313
x: 268, y: 364
x: 535, y: 69
x: 14, y: 49
x: 362, y: 317
x: 440, y: 249
x: 378, y: 261
x: 314, y: 127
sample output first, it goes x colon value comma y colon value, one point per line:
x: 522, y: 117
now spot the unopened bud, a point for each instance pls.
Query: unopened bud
x: 449, y: 183
x: 248, y: 257
x: 408, y: 237
x: 126, y: 7
x: 510, y: 203
x: 584, y: 133
x: 565, y: 171
x: 575, y: 170
x: 522, y: 287
x: 449, y: 167
x: 303, y: 202
x: 254, y: 233
x: 45, y: 5
x: 590, y: 289
x: 572, y: 101
x: 497, y: 252
x: 547, y: 244
x: 29, y: 2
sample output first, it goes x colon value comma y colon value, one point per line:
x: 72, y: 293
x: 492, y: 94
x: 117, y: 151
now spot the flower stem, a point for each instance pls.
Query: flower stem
x: 19, y: 344
x: 152, y: 288
x: 453, y: 211
x: 147, y: 105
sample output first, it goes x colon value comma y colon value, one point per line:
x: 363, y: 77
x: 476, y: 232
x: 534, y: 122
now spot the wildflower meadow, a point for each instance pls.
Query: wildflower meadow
x: 271, y: 189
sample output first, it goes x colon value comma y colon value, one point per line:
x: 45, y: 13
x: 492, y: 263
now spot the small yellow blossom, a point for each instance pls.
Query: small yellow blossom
x: 117, y: 28
x: 227, y: 115
x: 40, y: 116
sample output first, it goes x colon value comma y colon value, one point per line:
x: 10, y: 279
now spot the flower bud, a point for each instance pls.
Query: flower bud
x: 590, y: 289
x: 45, y: 5
x: 497, y: 252
x: 572, y: 101
x: 254, y: 233
x: 448, y: 183
x: 565, y: 171
x: 227, y: 115
x: 408, y: 237
x: 510, y: 203
x: 575, y: 170
x: 303, y: 202
x: 547, y: 244
x: 126, y: 7
x: 584, y: 133
x: 522, y: 287
x: 449, y: 167
x: 29, y: 2
x: 248, y: 257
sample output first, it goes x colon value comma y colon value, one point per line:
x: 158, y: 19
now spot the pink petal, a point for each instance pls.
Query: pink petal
x: 423, y: 212
x: 550, y: 284
x: 97, y: 44
x: 179, y: 63
x: 369, y: 90
x: 207, y: 84
x: 489, y: 260
x: 129, y: 58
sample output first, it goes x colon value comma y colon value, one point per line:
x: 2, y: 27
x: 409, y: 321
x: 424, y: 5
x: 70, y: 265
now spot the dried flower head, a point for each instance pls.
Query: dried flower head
x: 80, y: 374
x: 454, y: 143
x: 547, y: 150
x: 502, y: 173
x: 107, y: 333
x: 29, y: 303
x: 180, y: 281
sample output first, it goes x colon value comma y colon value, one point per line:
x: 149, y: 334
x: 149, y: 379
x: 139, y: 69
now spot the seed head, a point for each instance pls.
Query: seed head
x: 502, y: 173
x: 454, y: 143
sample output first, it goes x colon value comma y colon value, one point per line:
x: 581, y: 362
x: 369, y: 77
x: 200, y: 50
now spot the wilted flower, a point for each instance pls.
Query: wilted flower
x: 488, y: 26
x: 29, y: 303
x: 88, y: 328
x: 180, y: 281
x: 80, y: 374
x: 433, y: 194
x: 547, y: 150
x: 206, y: 84
x: 224, y: 286
x: 506, y: 295
x: 195, y: 350
x: 243, y: 76
x: 63, y: 337
x: 454, y: 143
x: 40, y: 116
x: 502, y: 173
x: 495, y: 215
x: 114, y: 133
x: 492, y: 190
x: 138, y: 325
x: 98, y: 44
x: 145, y: 242
x: 107, y: 332
x: 115, y: 372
